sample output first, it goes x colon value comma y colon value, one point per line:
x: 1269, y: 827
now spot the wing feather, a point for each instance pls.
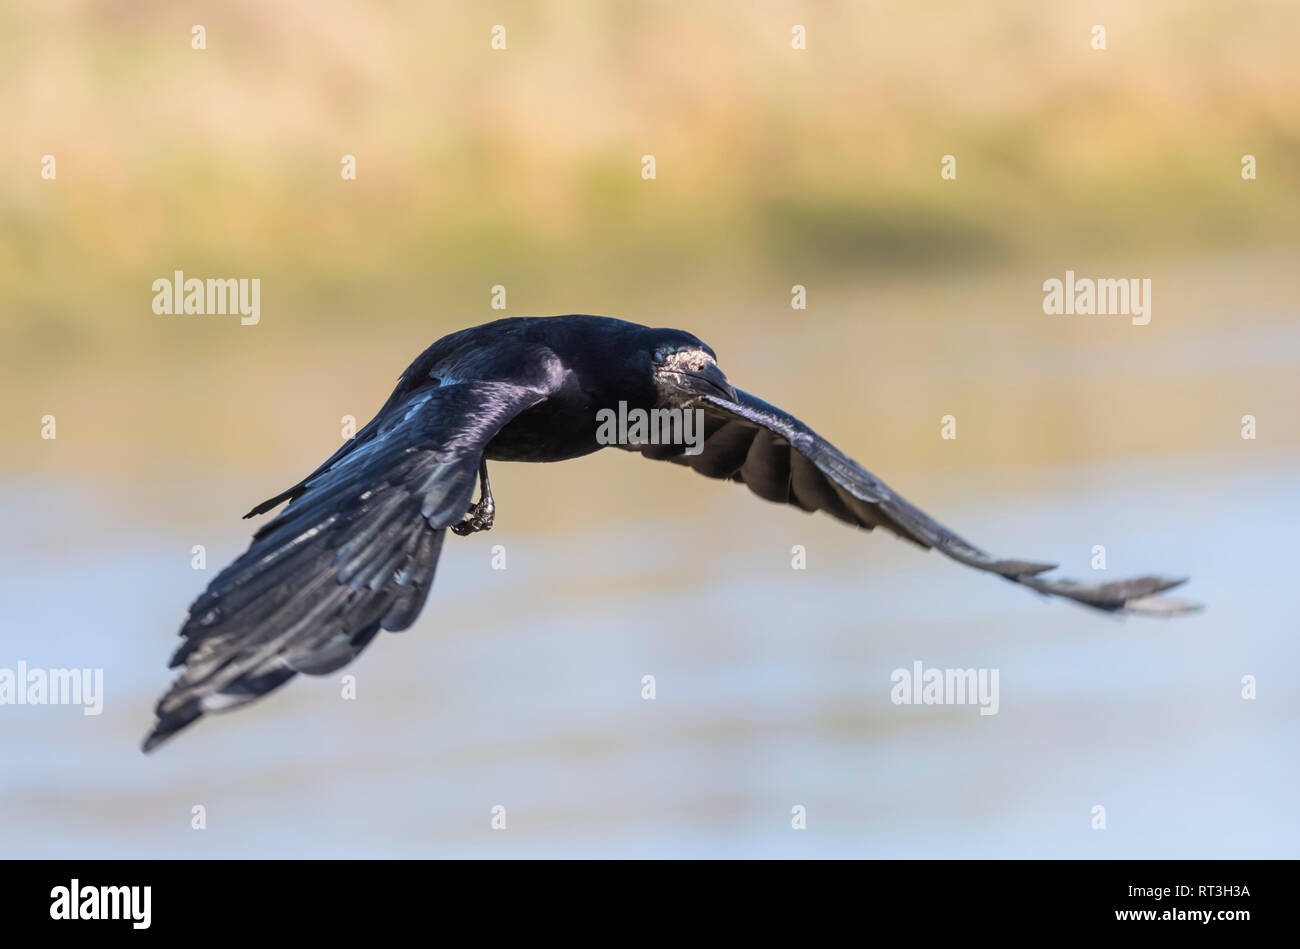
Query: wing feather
x: 354, y: 552
x: 781, y: 459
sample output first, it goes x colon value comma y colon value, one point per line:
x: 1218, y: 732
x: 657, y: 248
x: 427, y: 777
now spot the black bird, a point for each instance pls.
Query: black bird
x: 355, y: 550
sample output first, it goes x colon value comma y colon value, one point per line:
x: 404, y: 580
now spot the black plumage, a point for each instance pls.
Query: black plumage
x: 356, y: 549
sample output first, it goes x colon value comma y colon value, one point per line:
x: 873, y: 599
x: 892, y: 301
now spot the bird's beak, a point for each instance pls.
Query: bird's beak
x: 708, y: 380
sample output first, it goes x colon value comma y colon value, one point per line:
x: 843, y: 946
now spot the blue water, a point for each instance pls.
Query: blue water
x: 522, y: 688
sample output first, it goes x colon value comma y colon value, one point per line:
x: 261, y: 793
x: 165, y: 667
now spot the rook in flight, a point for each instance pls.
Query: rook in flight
x: 355, y: 550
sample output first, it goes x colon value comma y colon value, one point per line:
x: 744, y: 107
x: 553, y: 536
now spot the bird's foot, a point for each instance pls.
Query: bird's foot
x: 479, y: 518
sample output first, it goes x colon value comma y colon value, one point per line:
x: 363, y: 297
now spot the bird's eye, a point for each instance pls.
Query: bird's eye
x: 659, y: 356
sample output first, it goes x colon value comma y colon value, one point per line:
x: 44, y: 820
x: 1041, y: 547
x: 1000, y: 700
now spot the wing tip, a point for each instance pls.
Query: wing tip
x: 1154, y: 604
x: 169, y: 723
x: 289, y: 495
x: 1022, y: 568
x: 1139, y: 596
x: 1161, y: 606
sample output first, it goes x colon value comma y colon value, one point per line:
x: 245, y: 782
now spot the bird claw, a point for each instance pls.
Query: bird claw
x: 479, y: 518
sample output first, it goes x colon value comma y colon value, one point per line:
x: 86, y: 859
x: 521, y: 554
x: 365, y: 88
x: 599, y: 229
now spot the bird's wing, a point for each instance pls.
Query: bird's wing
x: 783, y: 460
x: 353, y: 553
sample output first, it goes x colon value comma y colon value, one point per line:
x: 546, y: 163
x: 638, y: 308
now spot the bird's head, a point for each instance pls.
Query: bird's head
x: 683, y: 368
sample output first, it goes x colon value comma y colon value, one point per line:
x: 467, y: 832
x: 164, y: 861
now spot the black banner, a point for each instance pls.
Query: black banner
x: 335, y: 898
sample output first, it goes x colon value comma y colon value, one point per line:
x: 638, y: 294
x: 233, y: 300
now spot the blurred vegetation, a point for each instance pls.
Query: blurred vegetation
x: 522, y: 167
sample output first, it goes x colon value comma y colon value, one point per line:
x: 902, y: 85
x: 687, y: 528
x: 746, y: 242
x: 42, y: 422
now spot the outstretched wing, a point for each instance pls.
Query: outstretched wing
x: 353, y: 553
x: 783, y: 460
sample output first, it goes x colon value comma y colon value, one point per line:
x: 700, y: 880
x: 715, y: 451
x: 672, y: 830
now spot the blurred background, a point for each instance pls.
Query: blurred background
x: 774, y: 167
